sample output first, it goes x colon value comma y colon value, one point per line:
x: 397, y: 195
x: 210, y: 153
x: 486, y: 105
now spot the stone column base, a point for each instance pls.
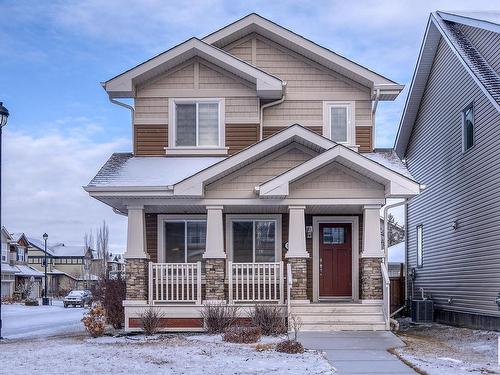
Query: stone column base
x: 214, y: 276
x: 136, y: 278
x: 299, y: 278
x: 371, y: 279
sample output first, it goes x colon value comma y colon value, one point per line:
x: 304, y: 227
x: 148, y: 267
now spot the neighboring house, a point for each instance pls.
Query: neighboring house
x: 68, y: 267
x: 115, y: 266
x: 16, y: 273
x: 450, y: 138
x: 253, y: 158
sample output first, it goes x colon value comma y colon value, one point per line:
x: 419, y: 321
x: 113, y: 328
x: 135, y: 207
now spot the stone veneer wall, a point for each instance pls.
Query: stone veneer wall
x: 136, y: 271
x: 214, y: 276
x: 371, y: 278
x: 299, y: 278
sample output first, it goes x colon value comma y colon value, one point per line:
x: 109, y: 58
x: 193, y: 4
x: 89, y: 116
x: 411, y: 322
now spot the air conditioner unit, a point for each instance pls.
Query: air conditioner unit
x: 422, y: 311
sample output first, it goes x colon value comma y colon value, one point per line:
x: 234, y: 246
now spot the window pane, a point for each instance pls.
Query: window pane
x: 242, y: 241
x: 185, y: 117
x: 265, y: 241
x: 333, y: 236
x: 420, y: 246
x: 339, y: 123
x: 196, y: 239
x: 469, y: 128
x: 174, y: 242
x: 208, y: 124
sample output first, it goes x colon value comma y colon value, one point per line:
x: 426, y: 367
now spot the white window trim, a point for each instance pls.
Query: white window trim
x: 250, y: 217
x: 161, y: 235
x: 464, y: 131
x: 420, y: 246
x: 351, y: 126
x: 172, y: 149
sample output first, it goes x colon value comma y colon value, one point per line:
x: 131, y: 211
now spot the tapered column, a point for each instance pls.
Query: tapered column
x: 372, y: 255
x: 136, y: 258
x: 215, y: 256
x: 297, y: 254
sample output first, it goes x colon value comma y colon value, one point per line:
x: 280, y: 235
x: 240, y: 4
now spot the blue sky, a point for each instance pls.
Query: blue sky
x: 54, y: 55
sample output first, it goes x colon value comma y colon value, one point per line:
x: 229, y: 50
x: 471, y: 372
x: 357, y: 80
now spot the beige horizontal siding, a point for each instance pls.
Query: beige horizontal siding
x: 242, y: 110
x: 270, y: 130
x: 242, y: 50
x: 215, y: 78
x: 363, y: 113
x: 305, y: 113
x: 151, y: 110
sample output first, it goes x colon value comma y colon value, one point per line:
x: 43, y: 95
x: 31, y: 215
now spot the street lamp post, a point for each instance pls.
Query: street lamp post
x: 45, y: 299
x: 4, y: 115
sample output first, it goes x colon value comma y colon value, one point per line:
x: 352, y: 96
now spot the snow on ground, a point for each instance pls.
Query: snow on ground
x: 169, y: 354
x: 440, y: 349
x: 20, y: 321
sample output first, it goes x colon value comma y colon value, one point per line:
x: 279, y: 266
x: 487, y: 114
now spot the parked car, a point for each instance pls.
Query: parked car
x: 78, y: 298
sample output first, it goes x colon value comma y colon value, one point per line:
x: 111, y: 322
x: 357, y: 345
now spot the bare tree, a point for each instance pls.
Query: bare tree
x: 102, y: 247
x: 396, y: 231
x: 88, y: 244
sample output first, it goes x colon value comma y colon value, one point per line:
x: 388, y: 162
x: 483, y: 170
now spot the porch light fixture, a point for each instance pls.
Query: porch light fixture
x: 4, y: 116
x: 45, y: 299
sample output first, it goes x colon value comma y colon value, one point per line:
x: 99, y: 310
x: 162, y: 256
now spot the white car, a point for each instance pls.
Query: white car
x: 77, y: 298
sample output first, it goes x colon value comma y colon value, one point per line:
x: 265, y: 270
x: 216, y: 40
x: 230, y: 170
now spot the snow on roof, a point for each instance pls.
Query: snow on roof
x: 7, y: 268
x: 69, y: 251
x: 39, y: 244
x: 28, y: 271
x: 16, y: 236
x: 389, y: 159
x: 397, y: 253
x: 123, y: 169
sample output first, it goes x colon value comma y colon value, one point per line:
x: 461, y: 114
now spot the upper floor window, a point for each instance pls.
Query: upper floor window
x: 20, y: 254
x: 338, y: 124
x: 5, y: 250
x: 420, y: 246
x: 197, y: 123
x: 468, y: 127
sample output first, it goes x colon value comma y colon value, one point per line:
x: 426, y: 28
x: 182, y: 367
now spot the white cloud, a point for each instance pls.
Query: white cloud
x: 43, y: 178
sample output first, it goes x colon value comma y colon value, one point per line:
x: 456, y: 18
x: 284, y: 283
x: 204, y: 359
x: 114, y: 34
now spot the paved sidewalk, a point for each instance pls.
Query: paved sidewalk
x: 358, y: 352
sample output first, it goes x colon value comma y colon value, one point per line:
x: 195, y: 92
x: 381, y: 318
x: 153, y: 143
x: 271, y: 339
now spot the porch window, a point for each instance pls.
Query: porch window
x: 468, y: 127
x: 184, y: 240
x: 197, y: 124
x: 420, y: 246
x: 254, y: 241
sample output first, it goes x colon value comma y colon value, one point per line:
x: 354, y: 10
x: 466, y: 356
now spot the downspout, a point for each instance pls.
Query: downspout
x: 375, y: 103
x: 261, y: 119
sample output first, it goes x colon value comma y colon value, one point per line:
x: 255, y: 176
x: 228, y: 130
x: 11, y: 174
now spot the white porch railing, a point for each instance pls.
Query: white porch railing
x: 256, y: 282
x: 386, y: 283
x: 175, y: 282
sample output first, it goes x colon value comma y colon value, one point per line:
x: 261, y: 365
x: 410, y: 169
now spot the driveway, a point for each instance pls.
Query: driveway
x: 21, y: 321
x: 358, y: 352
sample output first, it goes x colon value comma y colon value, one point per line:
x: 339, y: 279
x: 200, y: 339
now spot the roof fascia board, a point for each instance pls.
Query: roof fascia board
x: 306, y: 47
x: 470, y: 21
x: 193, y: 186
x: 268, y: 86
x: 396, y: 184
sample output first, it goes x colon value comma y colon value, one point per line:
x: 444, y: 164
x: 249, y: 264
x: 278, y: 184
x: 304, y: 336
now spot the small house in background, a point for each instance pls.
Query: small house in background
x: 116, y: 266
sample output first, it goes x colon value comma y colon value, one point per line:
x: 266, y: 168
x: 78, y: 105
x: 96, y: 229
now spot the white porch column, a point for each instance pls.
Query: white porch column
x: 296, y: 233
x: 215, y: 264
x: 136, y: 257
x: 372, y: 247
x: 215, y: 234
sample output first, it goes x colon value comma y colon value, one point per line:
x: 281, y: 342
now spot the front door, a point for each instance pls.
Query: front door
x: 335, y: 260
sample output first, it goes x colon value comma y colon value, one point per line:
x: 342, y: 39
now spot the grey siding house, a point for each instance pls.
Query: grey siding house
x: 449, y: 137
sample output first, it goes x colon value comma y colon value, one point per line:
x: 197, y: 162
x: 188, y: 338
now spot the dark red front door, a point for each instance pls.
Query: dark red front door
x: 335, y: 260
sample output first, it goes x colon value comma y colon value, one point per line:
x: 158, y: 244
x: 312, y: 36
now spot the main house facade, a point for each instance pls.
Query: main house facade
x: 254, y: 179
x: 450, y: 138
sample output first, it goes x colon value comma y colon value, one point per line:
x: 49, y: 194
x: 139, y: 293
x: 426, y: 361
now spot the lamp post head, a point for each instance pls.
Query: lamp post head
x: 4, y: 115
x: 45, y: 236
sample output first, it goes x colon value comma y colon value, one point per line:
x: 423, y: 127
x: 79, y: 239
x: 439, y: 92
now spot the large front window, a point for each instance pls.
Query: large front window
x: 184, y: 240
x: 197, y: 124
x: 254, y: 241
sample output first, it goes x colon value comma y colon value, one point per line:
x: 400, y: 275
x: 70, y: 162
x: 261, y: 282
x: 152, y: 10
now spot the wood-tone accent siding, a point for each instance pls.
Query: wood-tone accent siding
x: 152, y: 236
x: 240, y: 136
x: 461, y: 264
x: 270, y: 130
x: 364, y: 138
x: 150, y: 140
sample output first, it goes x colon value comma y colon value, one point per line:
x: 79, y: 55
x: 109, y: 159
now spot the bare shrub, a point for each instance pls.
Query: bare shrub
x: 111, y: 293
x: 264, y: 347
x: 294, y: 324
x: 151, y: 321
x: 242, y: 334
x: 270, y: 319
x: 218, y: 317
x: 94, y: 321
x: 290, y: 347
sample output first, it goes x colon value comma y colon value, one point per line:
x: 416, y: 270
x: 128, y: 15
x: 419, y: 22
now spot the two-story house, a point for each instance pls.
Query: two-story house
x: 450, y: 138
x: 254, y: 179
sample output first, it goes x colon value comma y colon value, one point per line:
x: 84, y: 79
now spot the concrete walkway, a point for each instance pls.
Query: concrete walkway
x: 358, y: 352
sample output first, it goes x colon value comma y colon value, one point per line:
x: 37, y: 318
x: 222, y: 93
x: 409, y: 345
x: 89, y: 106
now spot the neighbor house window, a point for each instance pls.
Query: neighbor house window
x: 338, y: 124
x: 254, y: 240
x: 197, y: 123
x: 20, y: 254
x: 468, y: 127
x: 420, y: 246
x: 5, y: 248
x: 184, y: 240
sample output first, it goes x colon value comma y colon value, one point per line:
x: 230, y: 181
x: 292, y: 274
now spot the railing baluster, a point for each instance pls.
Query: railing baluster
x: 182, y: 283
x: 275, y: 269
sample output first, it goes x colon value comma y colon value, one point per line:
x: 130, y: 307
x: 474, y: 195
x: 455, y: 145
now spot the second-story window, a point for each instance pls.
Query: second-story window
x: 338, y: 122
x: 197, y: 124
x: 468, y: 127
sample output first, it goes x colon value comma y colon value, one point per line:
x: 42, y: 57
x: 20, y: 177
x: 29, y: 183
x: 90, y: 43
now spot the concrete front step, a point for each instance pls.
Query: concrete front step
x: 336, y: 309
x: 344, y: 326
x: 354, y: 318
